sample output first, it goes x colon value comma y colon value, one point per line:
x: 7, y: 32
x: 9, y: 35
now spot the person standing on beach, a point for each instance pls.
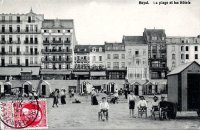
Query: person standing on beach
x: 55, y: 98
x: 62, y: 96
x: 131, y: 102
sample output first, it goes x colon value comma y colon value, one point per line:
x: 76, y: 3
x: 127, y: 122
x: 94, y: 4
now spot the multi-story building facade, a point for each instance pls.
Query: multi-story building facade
x: 181, y: 50
x: 157, y: 52
x: 136, y: 58
x: 20, y: 44
x: 20, y: 39
x: 115, y: 60
x: 82, y: 61
x: 97, y: 62
x: 58, y: 46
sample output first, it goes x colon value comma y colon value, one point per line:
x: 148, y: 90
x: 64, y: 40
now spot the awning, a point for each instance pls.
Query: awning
x: 62, y: 72
x: 81, y: 73
x: 102, y: 73
x: 10, y: 71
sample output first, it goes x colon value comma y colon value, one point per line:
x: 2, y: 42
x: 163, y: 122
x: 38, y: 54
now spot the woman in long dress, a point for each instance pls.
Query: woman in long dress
x: 55, y: 98
x: 93, y: 97
x: 62, y: 98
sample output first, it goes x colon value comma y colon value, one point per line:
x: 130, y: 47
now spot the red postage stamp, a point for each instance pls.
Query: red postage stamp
x: 24, y: 114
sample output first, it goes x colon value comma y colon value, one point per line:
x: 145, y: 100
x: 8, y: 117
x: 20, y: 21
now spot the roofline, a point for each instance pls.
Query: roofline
x: 185, y: 68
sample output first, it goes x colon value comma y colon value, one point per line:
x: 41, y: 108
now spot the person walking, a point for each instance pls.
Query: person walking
x: 62, y: 96
x: 131, y: 102
x: 55, y: 97
x: 116, y: 96
x: 125, y: 93
x: 93, y: 97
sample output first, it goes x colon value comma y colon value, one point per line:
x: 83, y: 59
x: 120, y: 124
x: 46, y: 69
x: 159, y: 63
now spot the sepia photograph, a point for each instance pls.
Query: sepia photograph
x: 99, y: 64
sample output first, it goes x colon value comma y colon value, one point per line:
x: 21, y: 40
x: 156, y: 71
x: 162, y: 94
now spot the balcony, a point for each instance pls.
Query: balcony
x: 10, y: 53
x: 20, y: 32
x: 30, y: 42
x: 82, y: 61
x: 10, y: 21
x: 158, y: 68
x: 162, y: 50
x: 31, y: 53
x: 57, y: 60
x: 154, y: 51
x: 56, y: 42
x: 2, y: 42
x: 56, y: 51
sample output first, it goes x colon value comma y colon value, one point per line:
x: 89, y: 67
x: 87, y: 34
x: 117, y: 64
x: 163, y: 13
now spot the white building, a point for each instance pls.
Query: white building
x: 20, y: 36
x: 181, y: 50
x: 136, y: 58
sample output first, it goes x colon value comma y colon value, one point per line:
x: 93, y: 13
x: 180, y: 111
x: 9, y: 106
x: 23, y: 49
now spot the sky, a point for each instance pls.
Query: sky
x: 97, y: 21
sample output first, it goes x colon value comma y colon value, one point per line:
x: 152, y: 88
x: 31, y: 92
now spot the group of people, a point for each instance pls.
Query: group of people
x: 59, y: 93
x: 156, y: 105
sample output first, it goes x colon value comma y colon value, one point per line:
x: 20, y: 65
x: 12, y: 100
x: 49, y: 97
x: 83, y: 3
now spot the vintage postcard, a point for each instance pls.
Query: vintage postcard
x: 99, y: 64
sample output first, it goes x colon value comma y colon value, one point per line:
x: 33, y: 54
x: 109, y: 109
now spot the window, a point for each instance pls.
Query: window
x: 196, y: 48
x: 10, y: 28
x: 182, y: 41
x: 100, y: 49
x: 123, y: 56
x: 31, y: 60
x: 10, y: 48
x: 10, y: 38
x: 115, y: 65
x: 3, y: 38
x: 36, y: 28
x: 136, y: 53
x: 35, y: 60
x: 94, y: 49
x: 10, y: 60
x: 58, y: 31
x: 100, y: 58
x: 115, y: 56
x: 94, y: 58
x: 45, y: 31
x: 173, y: 57
x: 3, y: 18
x: 10, y: 18
x: 137, y: 61
x: 18, y: 28
x: 144, y: 52
x: 187, y: 56
x: 196, y: 56
x: 123, y: 65
x: 108, y: 56
x: 26, y: 49
x: 187, y: 48
x: 3, y: 28
x: 27, y: 28
x: 182, y: 56
x: 108, y: 64
x: 68, y: 31
x: 29, y: 19
x: 18, y: 19
x: 182, y: 48
x: 31, y: 28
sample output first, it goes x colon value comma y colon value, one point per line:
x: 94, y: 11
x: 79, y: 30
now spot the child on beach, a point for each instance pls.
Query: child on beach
x: 104, y: 106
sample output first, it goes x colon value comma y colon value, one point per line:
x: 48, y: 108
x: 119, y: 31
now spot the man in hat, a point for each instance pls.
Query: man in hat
x: 163, y: 107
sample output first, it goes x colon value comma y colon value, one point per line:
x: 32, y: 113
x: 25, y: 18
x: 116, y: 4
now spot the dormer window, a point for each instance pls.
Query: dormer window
x: 100, y: 49
x: 29, y: 19
x: 94, y: 49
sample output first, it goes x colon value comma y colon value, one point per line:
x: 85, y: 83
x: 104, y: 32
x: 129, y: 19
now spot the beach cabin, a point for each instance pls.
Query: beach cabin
x: 27, y: 88
x: 184, y: 87
x: 44, y: 89
x: 7, y: 87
